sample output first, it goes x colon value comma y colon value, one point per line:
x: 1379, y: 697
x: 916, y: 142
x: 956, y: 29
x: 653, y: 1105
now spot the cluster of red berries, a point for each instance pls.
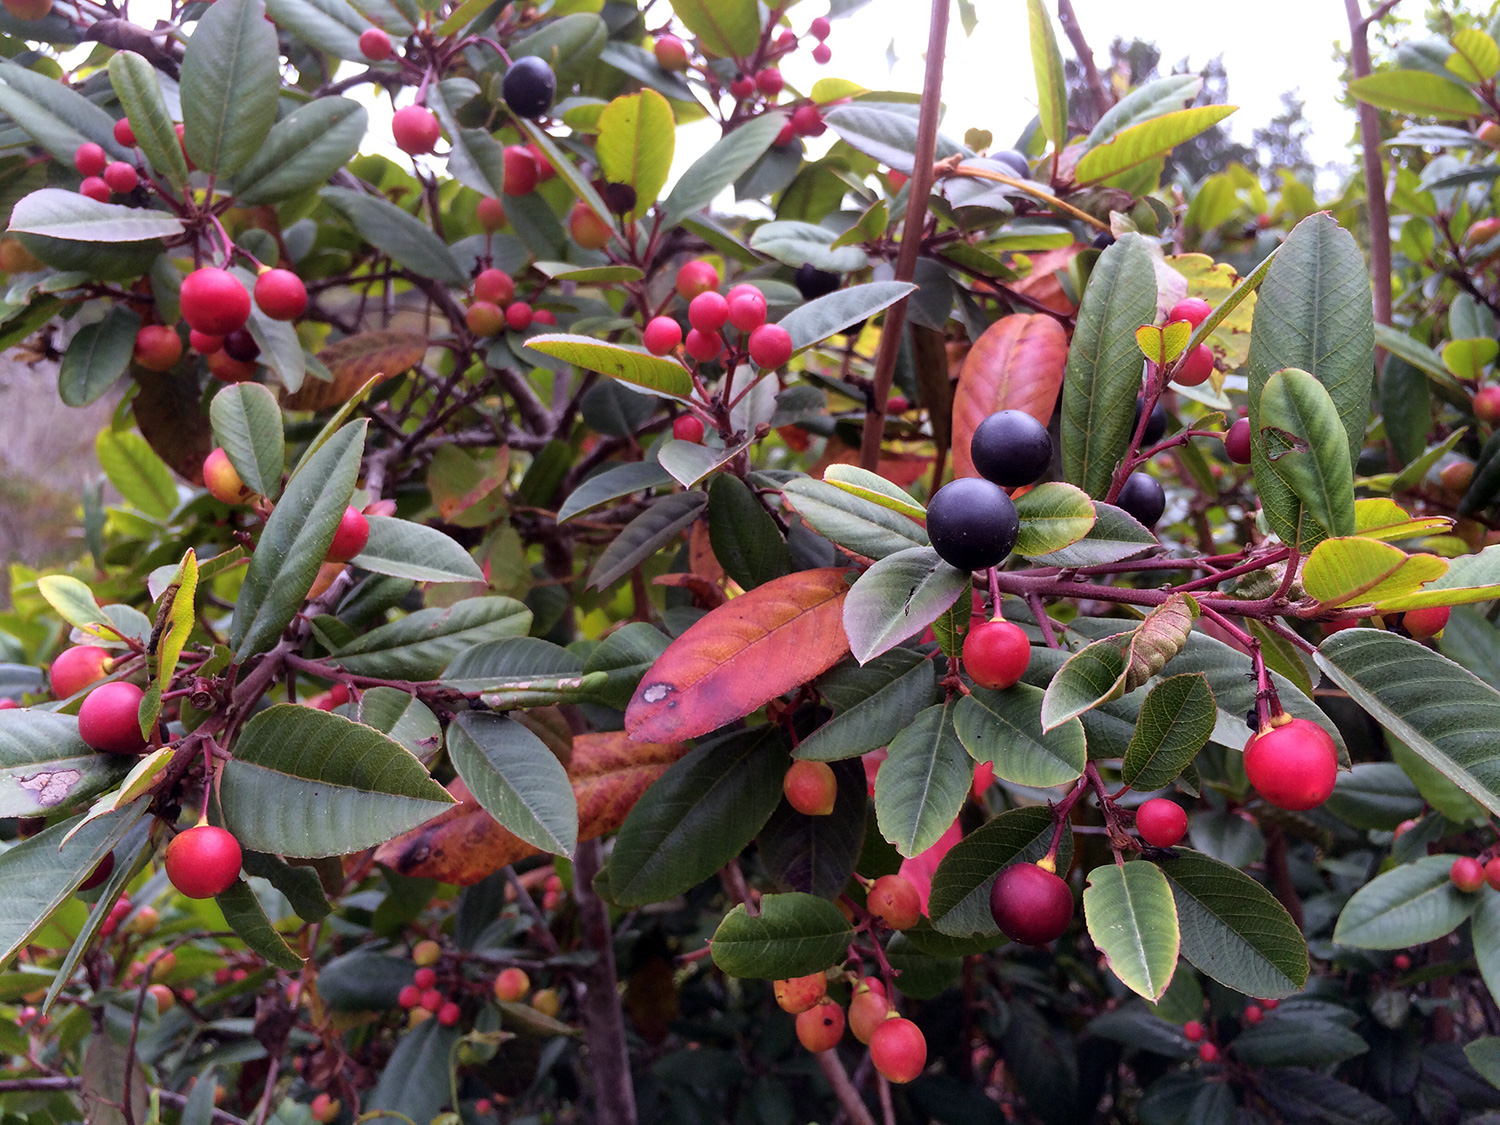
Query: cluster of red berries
x: 495, y: 308
x: 709, y: 312
x: 1194, y: 1031
x: 898, y: 1049
x: 102, y: 176
x: 423, y: 995
x: 1198, y: 364
x: 1469, y: 874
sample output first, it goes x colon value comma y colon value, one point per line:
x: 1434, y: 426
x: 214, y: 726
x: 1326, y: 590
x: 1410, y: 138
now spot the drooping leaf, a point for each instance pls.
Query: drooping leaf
x: 1091, y: 676
x: 725, y: 162
x: 887, y: 131
x: 1004, y: 728
x: 1360, y: 570
x: 1051, y: 83
x: 1053, y: 516
x: 793, y: 935
x: 417, y: 1080
x: 897, y: 598
x: 133, y: 467
x: 816, y: 320
x: 1417, y: 93
x: 818, y: 854
x: 136, y: 84
x: 1133, y: 920
x: 409, y: 241
x: 1468, y: 579
x: 923, y: 782
x: 97, y: 356
x: 247, y: 426
x: 725, y: 27
x: 247, y: 918
x: 404, y: 549
x: 857, y: 525
x: 1114, y: 536
x: 796, y: 243
x: 516, y: 778
x: 180, y: 616
x: 1299, y: 434
x: 873, y: 487
x: 659, y: 525
x: 230, y: 83
x: 1177, y: 717
x: 356, y: 361
x: 628, y: 364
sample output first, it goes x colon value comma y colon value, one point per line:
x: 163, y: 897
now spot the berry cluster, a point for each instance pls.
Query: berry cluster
x: 768, y: 346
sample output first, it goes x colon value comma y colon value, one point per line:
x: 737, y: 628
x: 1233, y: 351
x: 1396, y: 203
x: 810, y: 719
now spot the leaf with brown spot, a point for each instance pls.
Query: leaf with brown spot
x: 169, y: 413
x: 464, y: 844
x: 1016, y: 364
x: 742, y: 655
x: 354, y: 361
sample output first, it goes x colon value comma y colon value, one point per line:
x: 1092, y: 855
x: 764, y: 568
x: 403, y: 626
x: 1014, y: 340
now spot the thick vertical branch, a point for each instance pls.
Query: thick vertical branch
x: 1369, y: 142
x: 911, y: 233
x: 604, y: 1021
x: 1074, y: 31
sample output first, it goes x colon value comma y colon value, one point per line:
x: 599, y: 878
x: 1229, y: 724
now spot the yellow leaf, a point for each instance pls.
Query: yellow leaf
x: 176, y: 607
x: 1355, y: 570
x: 1379, y: 518
x: 1212, y: 281
x: 75, y: 604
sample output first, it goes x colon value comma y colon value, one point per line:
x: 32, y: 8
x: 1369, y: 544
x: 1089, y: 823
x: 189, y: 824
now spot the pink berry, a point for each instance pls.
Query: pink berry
x: 747, y: 310
x: 808, y: 122
x: 821, y: 54
x: 708, y: 312
x: 124, y: 134
x: 281, y: 294
x: 820, y: 28
x: 1194, y: 310
x: 688, y: 427
x: 704, y: 346
x: 90, y: 159
x: 374, y: 44
x: 121, y: 177
x: 518, y: 316
x: 769, y: 82
x: 662, y: 335
x: 415, y: 129
x: 742, y: 87
x: 770, y: 346
x: 95, y: 188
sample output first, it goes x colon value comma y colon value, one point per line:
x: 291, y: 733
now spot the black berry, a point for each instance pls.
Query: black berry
x: 1156, y: 425
x: 813, y: 283
x: 1143, y: 498
x: 241, y: 346
x: 1103, y: 241
x: 972, y: 524
x: 1012, y: 448
x: 1015, y: 161
x: 1252, y: 720
x: 529, y: 87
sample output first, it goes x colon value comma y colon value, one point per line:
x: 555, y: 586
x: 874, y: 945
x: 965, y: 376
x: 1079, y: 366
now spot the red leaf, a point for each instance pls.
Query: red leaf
x: 742, y: 655
x: 1016, y: 364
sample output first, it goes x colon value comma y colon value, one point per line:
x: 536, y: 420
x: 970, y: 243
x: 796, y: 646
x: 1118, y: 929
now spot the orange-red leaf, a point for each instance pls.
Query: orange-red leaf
x: 463, y: 844
x: 354, y: 361
x: 742, y: 655
x: 1016, y: 364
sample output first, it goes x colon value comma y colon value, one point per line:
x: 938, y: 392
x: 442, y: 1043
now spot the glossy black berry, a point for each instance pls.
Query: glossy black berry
x: 1015, y: 161
x: 240, y: 345
x: 529, y: 87
x: 972, y: 524
x: 1012, y: 448
x: 1103, y: 241
x: 813, y: 283
x: 1156, y: 425
x: 1143, y: 498
x: 1252, y: 720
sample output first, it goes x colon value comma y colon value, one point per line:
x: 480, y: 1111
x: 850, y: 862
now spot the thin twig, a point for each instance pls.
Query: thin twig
x: 1074, y: 31
x: 1369, y: 143
x: 843, y: 1089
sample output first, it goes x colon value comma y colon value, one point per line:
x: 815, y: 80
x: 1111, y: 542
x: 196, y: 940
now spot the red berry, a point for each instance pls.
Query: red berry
x: 1424, y: 623
x: 520, y: 170
x: 820, y: 28
x: 821, y: 1027
x: 544, y: 169
x: 662, y: 334
x: 769, y: 82
x: 810, y: 787
x: 494, y: 286
x: 1487, y: 404
x: 1193, y: 1030
x: 324, y: 1109
x: 409, y: 997
x: 895, y: 902
x: 424, y: 978
x: 747, y: 308
x: 588, y: 229
x: 1237, y: 442
x: 996, y: 653
x: 821, y: 54
x: 708, y: 312
x: 491, y: 213
x: 203, y: 861
x: 1031, y: 904
x: 897, y: 404
x: 224, y: 367
x: 109, y: 719
x: 770, y: 346
x: 1194, y: 310
x: 374, y: 44
x: 868, y: 1009
x: 545, y: 316
x: 511, y: 984
x: 124, y: 134
x: 432, y: 999
x: 1197, y: 367
x: 8, y: 704
x: 704, y: 346
x: 415, y: 129
x: 518, y: 316
x: 95, y: 188
x: 1270, y: 1005
x: 77, y: 667
x: 203, y: 343
x: 484, y: 318
x: 671, y: 53
x: 1161, y: 823
x: 1293, y: 766
x: 157, y: 347
x: 1402, y: 961
x: 214, y: 302
x: 1467, y: 874
x: 787, y: 135
x: 808, y: 122
x: 99, y: 873
x: 1208, y: 1052
x: 1492, y: 873
x: 1253, y: 1014
x: 898, y: 1049
x: 90, y: 159
x: 351, y: 536
x: 448, y: 1014
x: 694, y: 277
x: 787, y: 40
x: 281, y: 294
x: 688, y: 427
x: 796, y: 995
x: 742, y: 87
x: 121, y: 177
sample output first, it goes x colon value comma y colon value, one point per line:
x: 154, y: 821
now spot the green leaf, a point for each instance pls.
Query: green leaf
x: 97, y: 356
x: 1485, y: 931
x: 1147, y: 141
x: 691, y: 461
x: 302, y: 151
x: 230, y: 84
x: 923, y: 782
x: 1004, y: 727
x: 404, y: 549
x: 247, y: 918
x: 897, y: 598
x: 45, y: 766
x: 625, y: 656
x: 851, y: 522
x: 814, y: 321
x: 611, y: 484
x: 333, y: 26
x: 636, y: 136
x: 698, y: 816
x: 730, y: 158
x: 1091, y: 676
x: 308, y: 783
x: 873, y: 487
x: 730, y: 28
x: 300, y: 885
x: 792, y: 936
x: 887, y: 131
x: 818, y: 854
x: 420, y: 645
x: 582, y: 187
x: 1053, y: 516
x: 1132, y: 918
x: 1287, y: 1039
x: 75, y: 604
x: 873, y: 702
x: 1408, y: 905
x: 1484, y: 1056
x: 1417, y: 93
x: 795, y: 243
x: 1300, y: 435
x: 247, y: 426
x: 417, y: 1080
x: 1104, y: 364
x: 408, y: 241
x: 1150, y: 100
x: 1177, y: 717
x: 628, y: 364
x: 295, y: 542
x: 1051, y: 82
x: 517, y: 779
x: 1113, y: 537
x: 1467, y: 359
x: 133, y: 467
x: 745, y: 539
x: 54, y: 114
x: 648, y: 533
x: 177, y: 603
x: 960, y: 901
x: 136, y: 84
x: 1445, y: 714
x: 1312, y: 313
x: 1233, y: 929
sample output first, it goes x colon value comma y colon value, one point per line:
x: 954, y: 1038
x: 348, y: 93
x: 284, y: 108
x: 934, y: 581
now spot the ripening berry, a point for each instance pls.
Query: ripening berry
x: 704, y: 346
x: 241, y: 345
x: 121, y: 177
x: 426, y: 952
x: 520, y: 170
x: 1193, y: 1030
x: 415, y: 129
x: 868, y: 1009
x: 374, y: 44
x: 101, y: 872
x: 895, y: 902
x: 484, y: 318
x: 897, y: 405
x: 511, y: 984
x: 494, y: 286
x: 324, y: 1108
x: 770, y: 346
x: 1197, y: 367
x: 1467, y: 874
x: 1293, y: 766
x: 708, y: 312
x: 1208, y: 1052
x: 821, y: 54
x: 671, y: 53
x: 662, y: 334
x: 544, y: 316
x: 548, y: 1001
x: 448, y: 1014
x: 742, y: 87
x: 281, y: 294
x: 1194, y: 310
x: 162, y: 995
x: 588, y: 229
x: 222, y: 479
x: 811, y: 788
x: 1427, y: 622
x: 518, y: 316
x: 898, y: 1049
x: 694, y: 277
x: 90, y: 159
x: 1402, y: 962
x: 350, y: 537
x: 1254, y: 1014
x: 747, y: 308
x: 227, y: 369
x: 996, y: 653
x: 157, y: 347
x: 214, y: 302
x: 203, y: 861
x: 95, y: 188
x: 821, y: 1027
x: 797, y: 994
x: 1030, y: 904
x: 820, y: 28
x: 124, y: 134
x: 409, y: 997
x: 688, y: 427
x: 109, y: 719
x: 769, y: 82
x: 1237, y: 442
x: 424, y: 978
x: 432, y: 999
x: 491, y: 214
x: 203, y: 343
x: 1161, y: 823
x: 1486, y: 403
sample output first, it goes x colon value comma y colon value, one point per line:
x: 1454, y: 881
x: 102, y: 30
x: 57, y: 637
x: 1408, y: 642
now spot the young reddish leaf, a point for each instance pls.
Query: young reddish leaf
x: 742, y: 655
x: 463, y: 844
x: 1017, y: 364
x: 354, y: 361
